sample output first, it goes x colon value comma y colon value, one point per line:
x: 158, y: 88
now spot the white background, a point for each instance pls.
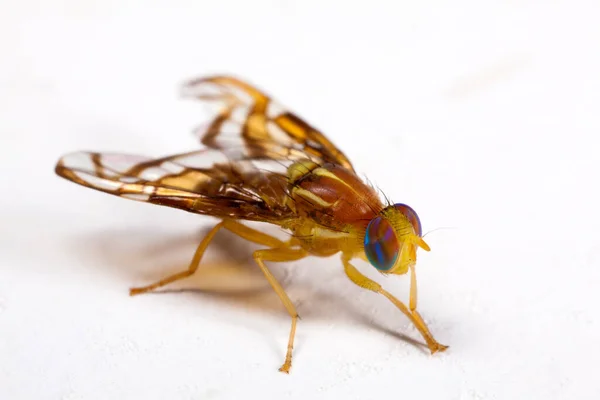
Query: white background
x: 483, y: 116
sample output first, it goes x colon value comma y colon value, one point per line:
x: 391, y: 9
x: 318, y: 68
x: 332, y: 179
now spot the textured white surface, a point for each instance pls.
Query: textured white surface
x: 483, y: 117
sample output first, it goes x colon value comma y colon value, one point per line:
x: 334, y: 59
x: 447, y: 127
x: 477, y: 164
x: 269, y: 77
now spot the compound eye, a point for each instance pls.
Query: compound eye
x: 411, y: 215
x: 381, y: 244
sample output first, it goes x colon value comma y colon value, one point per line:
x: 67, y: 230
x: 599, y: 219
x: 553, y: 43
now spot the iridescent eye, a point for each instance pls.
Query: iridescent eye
x: 411, y: 215
x: 381, y: 244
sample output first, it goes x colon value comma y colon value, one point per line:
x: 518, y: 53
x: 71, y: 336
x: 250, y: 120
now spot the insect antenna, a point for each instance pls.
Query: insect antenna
x: 437, y: 229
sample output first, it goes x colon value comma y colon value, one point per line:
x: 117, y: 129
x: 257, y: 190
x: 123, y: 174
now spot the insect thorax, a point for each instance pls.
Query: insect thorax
x: 332, y: 204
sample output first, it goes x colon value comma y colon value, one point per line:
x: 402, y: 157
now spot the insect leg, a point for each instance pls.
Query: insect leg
x: 188, y: 272
x: 413, y: 306
x: 366, y: 283
x: 279, y: 251
x: 252, y: 235
x: 235, y: 227
x: 281, y: 255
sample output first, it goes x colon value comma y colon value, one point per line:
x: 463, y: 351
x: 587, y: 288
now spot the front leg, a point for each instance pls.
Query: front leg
x: 369, y: 284
x: 417, y: 317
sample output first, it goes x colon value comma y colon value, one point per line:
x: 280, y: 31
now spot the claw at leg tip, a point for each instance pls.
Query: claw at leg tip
x: 285, y: 369
x: 439, y: 348
x: 135, y: 291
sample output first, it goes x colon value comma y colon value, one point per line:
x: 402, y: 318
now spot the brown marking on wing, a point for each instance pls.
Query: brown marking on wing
x: 223, y: 190
x: 268, y: 129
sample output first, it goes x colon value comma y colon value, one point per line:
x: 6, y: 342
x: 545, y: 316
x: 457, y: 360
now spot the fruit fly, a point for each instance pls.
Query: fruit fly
x: 261, y: 162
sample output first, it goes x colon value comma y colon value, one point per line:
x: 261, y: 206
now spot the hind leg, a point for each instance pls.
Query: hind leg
x: 233, y: 226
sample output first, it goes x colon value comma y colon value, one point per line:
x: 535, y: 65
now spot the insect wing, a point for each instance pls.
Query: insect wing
x: 259, y: 123
x: 192, y: 181
x: 254, y: 137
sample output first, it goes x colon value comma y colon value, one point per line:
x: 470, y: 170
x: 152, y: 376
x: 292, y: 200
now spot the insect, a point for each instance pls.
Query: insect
x: 262, y: 162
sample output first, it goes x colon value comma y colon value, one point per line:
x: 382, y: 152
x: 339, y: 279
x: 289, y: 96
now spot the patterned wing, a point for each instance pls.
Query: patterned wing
x: 250, y: 121
x: 202, y: 182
